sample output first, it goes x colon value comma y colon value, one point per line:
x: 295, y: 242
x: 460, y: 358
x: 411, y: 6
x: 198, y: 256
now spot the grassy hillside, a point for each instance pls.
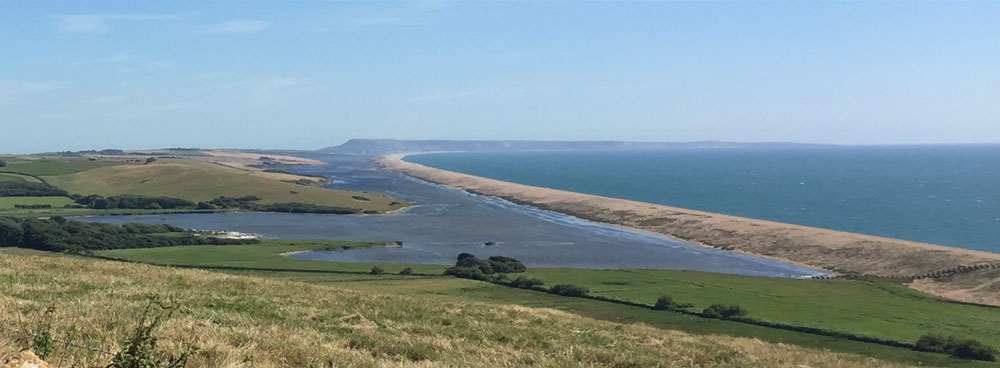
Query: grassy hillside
x: 202, y: 181
x: 241, y: 321
x: 17, y: 177
x: 62, y: 166
x: 878, y: 309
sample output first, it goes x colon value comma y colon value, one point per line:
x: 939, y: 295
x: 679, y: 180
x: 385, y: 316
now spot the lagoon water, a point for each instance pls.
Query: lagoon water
x: 448, y: 222
x: 946, y: 195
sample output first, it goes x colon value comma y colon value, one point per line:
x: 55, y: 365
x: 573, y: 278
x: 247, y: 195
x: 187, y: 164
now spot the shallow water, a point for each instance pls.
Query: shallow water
x: 448, y: 222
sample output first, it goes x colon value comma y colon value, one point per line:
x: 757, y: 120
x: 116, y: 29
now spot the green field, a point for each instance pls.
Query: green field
x: 873, y: 308
x: 901, y: 307
x: 48, y: 167
x: 8, y: 203
x: 17, y: 177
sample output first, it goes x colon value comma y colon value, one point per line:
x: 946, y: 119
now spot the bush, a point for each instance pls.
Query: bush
x: 667, y: 303
x: 959, y: 348
x: 724, y: 311
x: 3, y: 163
x: 526, y: 283
x: 568, y: 290
x: 140, y: 350
x: 406, y: 271
x: 377, y: 271
x: 473, y: 273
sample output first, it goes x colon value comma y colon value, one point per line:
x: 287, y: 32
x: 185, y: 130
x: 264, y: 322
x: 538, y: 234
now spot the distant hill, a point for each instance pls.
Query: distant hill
x: 386, y: 146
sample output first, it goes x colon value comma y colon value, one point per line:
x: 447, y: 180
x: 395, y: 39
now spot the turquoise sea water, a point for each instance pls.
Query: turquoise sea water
x: 946, y: 195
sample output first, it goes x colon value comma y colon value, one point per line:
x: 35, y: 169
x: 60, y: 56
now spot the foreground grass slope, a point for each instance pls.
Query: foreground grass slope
x: 842, y: 305
x: 198, y: 180
x: 252, y: 322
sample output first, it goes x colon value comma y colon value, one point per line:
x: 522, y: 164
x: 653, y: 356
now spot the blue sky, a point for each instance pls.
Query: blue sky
x: 308, y: 74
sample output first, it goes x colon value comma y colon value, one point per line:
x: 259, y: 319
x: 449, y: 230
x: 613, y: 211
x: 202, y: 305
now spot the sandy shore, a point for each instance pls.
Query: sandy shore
x: 837, y: 251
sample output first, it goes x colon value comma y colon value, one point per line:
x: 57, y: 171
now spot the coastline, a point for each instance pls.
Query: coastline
x: 831, y: 250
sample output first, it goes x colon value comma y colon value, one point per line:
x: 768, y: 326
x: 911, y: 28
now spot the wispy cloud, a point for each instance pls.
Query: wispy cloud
x: 100, y: 23
x: 446, y: 96
x: 409, y: 14
x: 124, y: 62
x: 12, y: 92
x: 237, y: 26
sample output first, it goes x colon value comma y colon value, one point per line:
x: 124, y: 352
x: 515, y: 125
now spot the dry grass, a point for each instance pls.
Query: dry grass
x: 251, y: 322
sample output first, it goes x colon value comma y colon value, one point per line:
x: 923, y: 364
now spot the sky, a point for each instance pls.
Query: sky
x: 77, y: 75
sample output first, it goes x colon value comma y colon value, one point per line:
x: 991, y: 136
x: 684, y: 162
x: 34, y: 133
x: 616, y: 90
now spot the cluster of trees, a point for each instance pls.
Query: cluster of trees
x: 29, y: 189
x: 133, y: 202
x: 469, y: 267
x: 959, y: 348
x: 60, y: 235
x: 246, y: 203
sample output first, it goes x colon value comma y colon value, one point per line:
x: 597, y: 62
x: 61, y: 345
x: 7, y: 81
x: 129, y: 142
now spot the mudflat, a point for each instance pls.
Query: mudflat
x: 837, y: 251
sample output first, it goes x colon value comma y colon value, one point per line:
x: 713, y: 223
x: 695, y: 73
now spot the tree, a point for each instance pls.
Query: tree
x: 377, y: 270
x: 406, y: 271
x: 3, y: 163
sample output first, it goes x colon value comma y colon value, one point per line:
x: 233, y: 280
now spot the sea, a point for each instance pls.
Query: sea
x: 939, y: 194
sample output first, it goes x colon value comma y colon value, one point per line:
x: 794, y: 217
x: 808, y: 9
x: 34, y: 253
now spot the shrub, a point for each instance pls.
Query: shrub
x: 406, y: 271
x: 141, y: 351
x: 377, y: 271
x: 959, y: 348
x: 3, y: 163
x: 465, y: 273
x: 568, y: 290
x: 526, y: 283
x: 972, y: 349
x: 724, y: 311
